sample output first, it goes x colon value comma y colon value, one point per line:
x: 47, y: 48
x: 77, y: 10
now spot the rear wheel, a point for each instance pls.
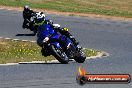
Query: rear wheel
x: 59, y: 55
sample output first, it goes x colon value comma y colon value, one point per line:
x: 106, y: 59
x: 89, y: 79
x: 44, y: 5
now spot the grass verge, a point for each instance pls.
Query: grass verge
x: 12, y: 51
x: 104, y: 7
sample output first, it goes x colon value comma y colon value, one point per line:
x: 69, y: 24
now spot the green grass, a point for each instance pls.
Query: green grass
x: 12, y: 51
x: 104, y: 7
x: 90, y: 52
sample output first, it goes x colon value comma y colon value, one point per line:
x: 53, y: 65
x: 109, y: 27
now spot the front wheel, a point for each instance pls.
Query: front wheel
x: 59, y: 55
x: 80, y: 58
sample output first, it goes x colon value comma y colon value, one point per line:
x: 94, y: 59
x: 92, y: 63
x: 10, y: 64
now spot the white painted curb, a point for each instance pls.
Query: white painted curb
x: 9, y: 64
x: 18, y: 40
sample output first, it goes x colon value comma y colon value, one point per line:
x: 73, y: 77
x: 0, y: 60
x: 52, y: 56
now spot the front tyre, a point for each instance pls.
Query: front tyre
x: 80, y: 58
x: 59, y: 55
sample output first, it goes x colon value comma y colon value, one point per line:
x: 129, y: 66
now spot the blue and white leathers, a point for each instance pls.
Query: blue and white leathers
x: 55, y: 38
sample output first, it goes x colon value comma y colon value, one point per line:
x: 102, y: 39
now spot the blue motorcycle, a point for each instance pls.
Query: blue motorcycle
x: 61, y: 47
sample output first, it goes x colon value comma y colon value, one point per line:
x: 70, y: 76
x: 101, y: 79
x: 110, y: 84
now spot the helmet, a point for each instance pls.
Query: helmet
x: 40, y: 17
x: 26, y: 7
x: 65, y: 29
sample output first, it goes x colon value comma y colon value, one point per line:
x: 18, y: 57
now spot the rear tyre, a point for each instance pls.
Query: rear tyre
x: 59, y: 55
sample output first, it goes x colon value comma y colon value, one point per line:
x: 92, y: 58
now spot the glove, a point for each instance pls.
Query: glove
x: 56, y: 25
x: 72, y: 37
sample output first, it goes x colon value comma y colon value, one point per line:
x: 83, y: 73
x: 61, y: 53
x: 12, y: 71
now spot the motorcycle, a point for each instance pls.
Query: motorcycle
x: 63, y: 49
x: 29, y: 24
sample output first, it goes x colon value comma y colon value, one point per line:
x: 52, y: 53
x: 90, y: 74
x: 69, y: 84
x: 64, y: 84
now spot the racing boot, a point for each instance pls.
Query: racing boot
x: 25, y: 24
x: 45, y: 52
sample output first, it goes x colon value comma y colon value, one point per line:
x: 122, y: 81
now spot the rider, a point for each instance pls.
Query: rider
x: 64, y: 31
x: 28, y: 16
x: 45, y: 33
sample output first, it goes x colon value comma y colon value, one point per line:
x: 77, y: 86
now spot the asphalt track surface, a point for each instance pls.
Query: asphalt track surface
x: 114, y: 37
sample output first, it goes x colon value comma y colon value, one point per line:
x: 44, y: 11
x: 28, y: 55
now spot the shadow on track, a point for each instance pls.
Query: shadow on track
x: 25, y: 34
x: 42, y: 62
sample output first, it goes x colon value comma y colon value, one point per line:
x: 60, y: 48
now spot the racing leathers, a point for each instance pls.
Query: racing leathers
x: 27, y: 14
x: 63, y: 31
